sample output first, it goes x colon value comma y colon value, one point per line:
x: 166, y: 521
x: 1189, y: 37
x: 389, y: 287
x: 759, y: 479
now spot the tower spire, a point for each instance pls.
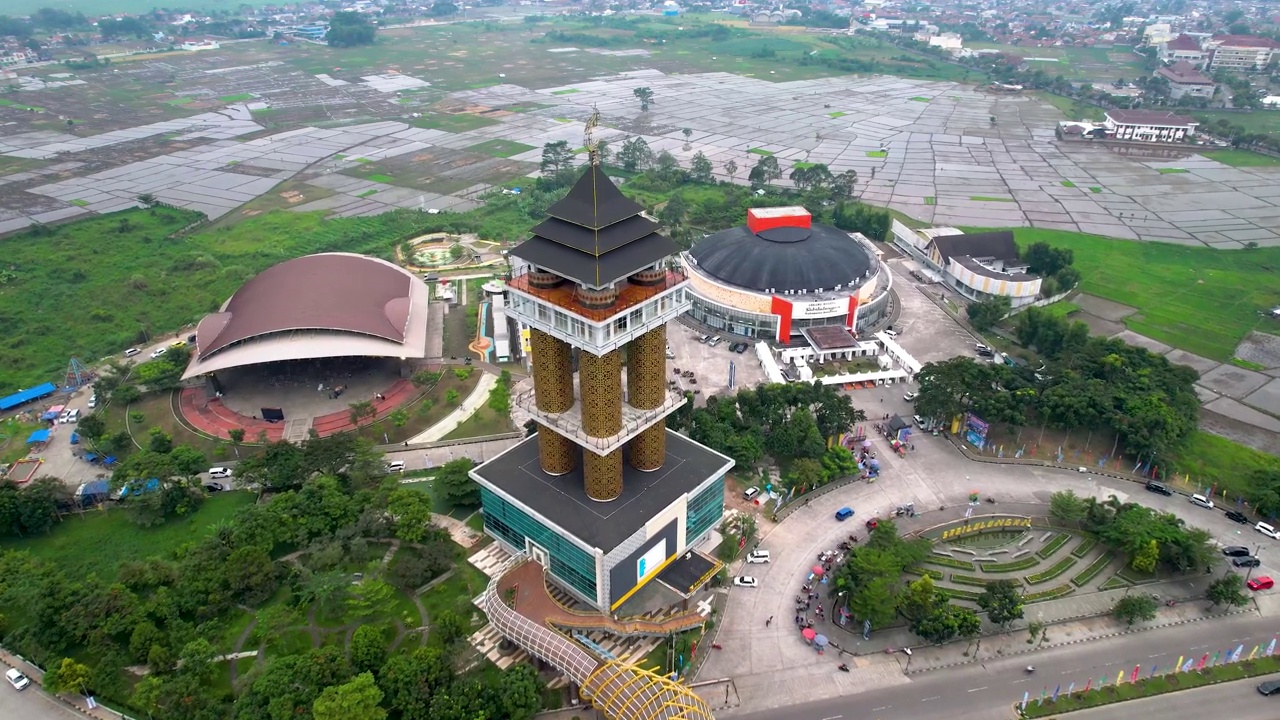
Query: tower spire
x: 589, y: 140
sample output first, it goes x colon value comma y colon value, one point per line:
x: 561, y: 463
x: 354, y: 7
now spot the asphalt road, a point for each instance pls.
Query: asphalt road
x: 1240, y: 696
x: 982, y: 691
x: 31, y: 704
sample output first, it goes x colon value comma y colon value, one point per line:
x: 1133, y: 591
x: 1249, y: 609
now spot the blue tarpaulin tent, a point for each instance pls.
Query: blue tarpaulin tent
x: 38, y: 436
x: 26, y: 396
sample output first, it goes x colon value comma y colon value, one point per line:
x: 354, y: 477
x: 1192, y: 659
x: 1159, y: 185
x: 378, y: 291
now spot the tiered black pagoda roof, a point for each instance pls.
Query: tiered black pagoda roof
x: 595, y: 235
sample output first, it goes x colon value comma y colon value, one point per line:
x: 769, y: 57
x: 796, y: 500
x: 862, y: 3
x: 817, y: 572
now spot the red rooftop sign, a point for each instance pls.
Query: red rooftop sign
x: 759, y: 219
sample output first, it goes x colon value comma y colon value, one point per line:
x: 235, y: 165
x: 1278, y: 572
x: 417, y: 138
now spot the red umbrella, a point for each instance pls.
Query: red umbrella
x: 817, y: 569
x: 808, y: 633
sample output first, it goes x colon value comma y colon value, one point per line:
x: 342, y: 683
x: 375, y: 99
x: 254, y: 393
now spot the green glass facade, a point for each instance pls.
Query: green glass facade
x: 569, y: 562
x: 705, y: 509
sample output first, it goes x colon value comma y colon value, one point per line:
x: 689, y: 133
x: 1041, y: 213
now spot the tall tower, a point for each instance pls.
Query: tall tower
x: 597, y: 282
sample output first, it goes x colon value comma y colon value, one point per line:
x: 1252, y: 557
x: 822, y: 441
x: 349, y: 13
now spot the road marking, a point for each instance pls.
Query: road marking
x: 833, y: 717
x: 984, y: 687
x: 886, y: 707
x: 935, y: 697
x: 1152, y: 657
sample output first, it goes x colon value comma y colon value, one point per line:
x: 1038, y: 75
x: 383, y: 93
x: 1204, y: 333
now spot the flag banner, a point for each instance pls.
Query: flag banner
x: 1026, y: 695
x: 1271, y: 647
x: 1134, y: 677
x: 1239, y: 651
x: 1071, y: 689
x: 1043, y: 694
x: 1120, y: 678
x: 1214, y: 660
x: 1179, y: 667
x: 1153, y: 670
x: 1055, y: 693
x: 1254, y: 652
x: 1088, y: 685
x: 1203, y: 659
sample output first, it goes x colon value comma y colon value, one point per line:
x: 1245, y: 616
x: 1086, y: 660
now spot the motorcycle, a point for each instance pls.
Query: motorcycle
x: 843, y: 667
x: 716, y: 646
x: 1031, y: 669
x: 991, y: 500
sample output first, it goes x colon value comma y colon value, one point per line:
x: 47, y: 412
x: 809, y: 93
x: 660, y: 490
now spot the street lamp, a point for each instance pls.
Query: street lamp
x: 1256, y: 550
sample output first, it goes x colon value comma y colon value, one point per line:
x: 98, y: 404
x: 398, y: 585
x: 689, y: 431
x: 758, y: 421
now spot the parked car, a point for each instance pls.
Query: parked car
x: 1202, y: 501
x: 131, y: 352
x: 758, y: 556
x: 178, y: 343
x: 1235, y: 551
x: 746, y: 581
x: 1263, y: 582
x: 73, y: 416
x: 1237, y: 516
x: 910, y: 396
x: 1269, y: 688
x: 714, y: 341
x: 920, y: 423
x: 1160, y: 488
x: 158, y: 352
x: 16, y: 679
x: 220, y: 473
x: 1267, y: 530
x: 980, y: 347
x: 844, y: 513
x: 395, y: 466
x: 213, y: 487
x: 750, y: 493
x: 93, y: 401
x: 1246, y: 562
x: 891, y: 333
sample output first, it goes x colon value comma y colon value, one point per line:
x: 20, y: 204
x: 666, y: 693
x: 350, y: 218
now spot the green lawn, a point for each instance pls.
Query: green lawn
x: 241, y: 97
x: 1241, y: 158
x: 1209, y: 460
x: 837, y: 114
x: 1068, y: 184
x: 984, y: 198
x: 500, y: 148
x: 1258, y: 121
x: 460, y: 122
x: 101, y: 541
x: 921, y: 99
x: 378, y: 177
x: 1062, y: 308
x: 759, y: 151
x: 484, y: 422
x: 1197, y: 299
x: 1170, y: 171
x: 877, y: 153
x: 930, y: 200
x: 456, y: 592
x: 567, y: 91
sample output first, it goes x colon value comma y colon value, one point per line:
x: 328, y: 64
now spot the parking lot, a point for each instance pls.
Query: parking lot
x: 711, y: 366
x: 924, y: 329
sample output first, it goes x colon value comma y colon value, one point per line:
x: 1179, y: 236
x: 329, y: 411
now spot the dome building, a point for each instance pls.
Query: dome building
x: 782, y: 273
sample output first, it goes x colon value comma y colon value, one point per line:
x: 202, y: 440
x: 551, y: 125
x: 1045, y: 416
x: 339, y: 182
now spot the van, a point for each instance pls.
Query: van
x: 714, y: 341
x: 844, y: 513
x: 219, y: 473
x: 891, y: 333
x: 1202, y: 501
x: 980, y: 347
x: 756, y: 557
x: 1267, y: 530
x: 750, y: 493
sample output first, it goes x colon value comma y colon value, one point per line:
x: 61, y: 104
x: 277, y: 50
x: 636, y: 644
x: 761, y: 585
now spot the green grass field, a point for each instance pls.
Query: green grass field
x: 500, y: 148
x: 1210, y: 460
x: 101, y: 541
x: 1258, y: 121
x: 1170, y: 171
x: 1093, y: 65
x: 1241, y: 158
x: 1200, y: 300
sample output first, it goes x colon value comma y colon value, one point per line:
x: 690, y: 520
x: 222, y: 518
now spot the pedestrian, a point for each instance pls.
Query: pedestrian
x: 768, y: 622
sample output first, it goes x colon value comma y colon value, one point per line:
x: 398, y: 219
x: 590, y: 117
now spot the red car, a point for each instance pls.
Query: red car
x: 1261, y: 583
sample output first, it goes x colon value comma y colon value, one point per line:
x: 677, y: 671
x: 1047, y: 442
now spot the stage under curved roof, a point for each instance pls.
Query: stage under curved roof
x: 316, y: 306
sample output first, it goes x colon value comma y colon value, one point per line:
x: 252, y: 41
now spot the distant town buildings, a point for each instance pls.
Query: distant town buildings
x: 1183, y: 48
x: 1148, y: 126
x: 1184, y: 79
x: 1240, y: 52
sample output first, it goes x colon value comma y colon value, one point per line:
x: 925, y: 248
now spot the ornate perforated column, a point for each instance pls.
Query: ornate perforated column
x: 552, y: 372
x: 602, y: 475
x: 556, y: 453
x: 600, y: 384
x: 646, y: 390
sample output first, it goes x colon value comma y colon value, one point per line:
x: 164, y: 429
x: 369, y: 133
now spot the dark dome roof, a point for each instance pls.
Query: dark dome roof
x: 786, y: 258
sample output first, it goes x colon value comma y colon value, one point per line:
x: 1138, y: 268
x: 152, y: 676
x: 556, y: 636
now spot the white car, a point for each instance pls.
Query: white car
x: 131, y: 352
x: 395, y: 466
x: 158, y: 352
x: 17, y: 679
x: 909, y: 396
x: 1267, y: 530
x: 758, y: 556
x: 1202, y: 501
x: 220, y: 473
x: 746, y: 581
x: 93, y: 402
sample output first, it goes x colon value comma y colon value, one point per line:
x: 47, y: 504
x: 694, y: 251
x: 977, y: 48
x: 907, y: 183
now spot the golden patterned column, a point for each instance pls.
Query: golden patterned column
x: 647, y: 369
x: 602, y: 475
x: 600, y: 377
x: 556, y: 453
x: 552, y: 372
x: 649, y: 448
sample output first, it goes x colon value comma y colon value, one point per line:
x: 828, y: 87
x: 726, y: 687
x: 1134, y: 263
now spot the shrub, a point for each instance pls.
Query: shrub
x: 948, y: 562
x: 935, y: 574
x: 1023, y: 564
x: 1054, y: 545
x: 1058, y: 568
x: 1050, y: 594
x: 1092, y: 571
x: 956, y: 594
x: 969, y: 580
x: 1084, y: 547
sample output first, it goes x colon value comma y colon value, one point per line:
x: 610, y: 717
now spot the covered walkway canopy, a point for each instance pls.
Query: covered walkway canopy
x: 25, y: 396
x: 38, y: 436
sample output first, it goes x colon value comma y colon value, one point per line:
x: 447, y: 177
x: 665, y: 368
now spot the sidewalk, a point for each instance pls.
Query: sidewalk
x: 72, y: 704
x: 478, y: 397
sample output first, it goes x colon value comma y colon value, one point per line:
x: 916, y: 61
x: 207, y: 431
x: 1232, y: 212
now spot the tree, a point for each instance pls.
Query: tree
x: 92, y: 427
x: 370, y: 597
x: 672, y: 213
x: 368, y: 648
x: 557, y: 157
x: 357, y: 699
x: 454, y: 485
x: 278, y: 467
x: 985, y: 313
x: 806, y: 474
x: 645, y: 96
x: 919, y: 600
x: 1146, y: 559
x: 362, y: 410
x: 441, y: 8
x: 411, y: 510
x: 842, y: 186
x: 700, y: 168
x: 1002, y: 601
x: 349, y: 29
x: 811, y: 177
x: 448, y: 627
x: 635, y: 154
x: 517, y: 695
x: 1134, y: 608
x: 688, y: 133
x: 1228, y: 590
x: 69, y: 677
x: 731, y: 169
x: 236, y: 436
x: 1066, y: 506
x: 946, y: 623
x: 410, y: 679
x: 765, y: 171
x: 147, y: 199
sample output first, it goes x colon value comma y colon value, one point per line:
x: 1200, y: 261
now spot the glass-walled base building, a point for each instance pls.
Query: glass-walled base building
x: 603, y: 552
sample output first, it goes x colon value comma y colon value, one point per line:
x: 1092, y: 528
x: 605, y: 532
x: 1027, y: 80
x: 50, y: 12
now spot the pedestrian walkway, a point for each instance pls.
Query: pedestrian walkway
x: 478, y: 397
